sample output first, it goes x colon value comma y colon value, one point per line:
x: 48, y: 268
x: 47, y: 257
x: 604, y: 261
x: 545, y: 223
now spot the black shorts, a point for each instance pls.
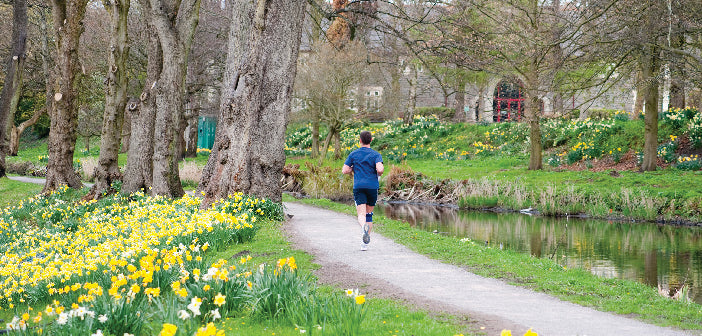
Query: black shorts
x: 365, y: 196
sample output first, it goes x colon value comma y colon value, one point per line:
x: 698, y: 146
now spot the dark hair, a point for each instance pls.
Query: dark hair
x: 366, y: 137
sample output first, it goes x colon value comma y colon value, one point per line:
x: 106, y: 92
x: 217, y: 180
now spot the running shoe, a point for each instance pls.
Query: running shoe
x: 366, y: 235
x: 364, y: 247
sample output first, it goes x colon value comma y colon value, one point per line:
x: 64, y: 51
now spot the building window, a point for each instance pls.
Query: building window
x: 377, y: 93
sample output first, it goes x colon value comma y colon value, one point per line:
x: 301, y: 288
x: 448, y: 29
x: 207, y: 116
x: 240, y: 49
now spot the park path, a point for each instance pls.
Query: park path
x: 335, y: 238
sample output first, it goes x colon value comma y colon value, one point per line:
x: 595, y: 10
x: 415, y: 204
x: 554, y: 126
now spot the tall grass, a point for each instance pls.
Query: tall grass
x: 327, y: 182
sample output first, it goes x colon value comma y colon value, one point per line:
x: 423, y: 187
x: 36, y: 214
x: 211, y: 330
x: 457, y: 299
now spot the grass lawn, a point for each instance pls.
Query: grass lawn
x: 12, y: 191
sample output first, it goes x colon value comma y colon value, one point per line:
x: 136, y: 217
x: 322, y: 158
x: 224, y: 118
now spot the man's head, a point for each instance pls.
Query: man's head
x: 366, y: 138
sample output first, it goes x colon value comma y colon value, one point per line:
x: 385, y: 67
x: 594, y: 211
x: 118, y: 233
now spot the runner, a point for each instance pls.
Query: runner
x: 366, y: 165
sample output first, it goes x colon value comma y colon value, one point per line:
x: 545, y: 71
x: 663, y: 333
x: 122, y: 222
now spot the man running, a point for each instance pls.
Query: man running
x: 366, y: 165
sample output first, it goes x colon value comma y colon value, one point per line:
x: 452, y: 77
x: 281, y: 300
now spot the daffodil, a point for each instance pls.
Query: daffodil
x: 168, y: 330
x: 219, y: 299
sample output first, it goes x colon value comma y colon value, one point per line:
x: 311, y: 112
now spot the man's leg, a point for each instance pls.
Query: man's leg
x: 369, y: 217
x: 361, y: 213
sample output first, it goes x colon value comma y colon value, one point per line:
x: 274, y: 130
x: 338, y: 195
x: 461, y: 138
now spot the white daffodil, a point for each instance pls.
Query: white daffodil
x: 183, y: 315
x: 194, y: 306
x: 215, y: 314
x: 62, y: 319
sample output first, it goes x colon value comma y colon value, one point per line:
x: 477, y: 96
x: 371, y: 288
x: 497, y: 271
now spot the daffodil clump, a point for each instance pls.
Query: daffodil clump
x: 204, y: 151
x: 139, y: 265
x: 70, y: 241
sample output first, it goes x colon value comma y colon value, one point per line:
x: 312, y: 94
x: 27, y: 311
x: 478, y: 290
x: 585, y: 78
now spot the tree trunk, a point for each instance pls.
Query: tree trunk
x: 327, y: 142
x: 395, y: 97
x: 677, y: 91
x: 677, y: 75
x: 191, y: 147
x: 412, y: 104
x: 180, y: 136
x: 115, y: 100
x: 532, y: 110
x: 16, y: 131
x: 139, y: 172
x: 174, y: 22
x: 127, y: 125
x: 68, y: 24
x: 315, y: 138
x: 12, y: 88
x: 640, y: 94
x: 460, y: 114
x: 337, y: 145
x: 480, y: 106
x: 248, y: 154
x: 650, y: 67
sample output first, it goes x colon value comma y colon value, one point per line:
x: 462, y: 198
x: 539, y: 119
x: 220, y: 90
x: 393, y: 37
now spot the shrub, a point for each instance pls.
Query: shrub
x: 20, y: 168
x: 600, y: 114
x: 666, y: 151
x: 327, y: 182
x: 444, y: 113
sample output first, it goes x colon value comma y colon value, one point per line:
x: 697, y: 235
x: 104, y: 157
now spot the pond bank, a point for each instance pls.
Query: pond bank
x: 549, y: 199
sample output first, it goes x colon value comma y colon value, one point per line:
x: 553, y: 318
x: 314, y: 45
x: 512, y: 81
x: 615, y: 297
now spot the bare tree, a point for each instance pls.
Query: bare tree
x: 12, y: 88
x: 68, y: 25
x: 248, y: 154
x: 327, y: 81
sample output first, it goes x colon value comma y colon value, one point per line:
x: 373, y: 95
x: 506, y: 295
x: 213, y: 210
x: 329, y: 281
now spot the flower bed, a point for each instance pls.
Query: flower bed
x: 134, y: 265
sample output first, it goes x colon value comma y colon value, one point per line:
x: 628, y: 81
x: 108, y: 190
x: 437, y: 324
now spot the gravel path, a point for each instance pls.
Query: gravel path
x: 391, y: 270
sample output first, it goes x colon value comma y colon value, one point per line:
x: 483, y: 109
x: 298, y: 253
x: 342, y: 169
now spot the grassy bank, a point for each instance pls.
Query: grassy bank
x: 13, y: 192
x: 140, y: 264
x: 575, y: 285
x: 590, y: 166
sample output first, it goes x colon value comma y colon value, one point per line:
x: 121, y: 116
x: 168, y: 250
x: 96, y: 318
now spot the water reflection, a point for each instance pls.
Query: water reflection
x: 663, y: 257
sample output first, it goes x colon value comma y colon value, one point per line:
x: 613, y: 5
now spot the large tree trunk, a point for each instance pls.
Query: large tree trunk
x: 248, y: 154
x: 650, y: 65
x: 139, y: 172
x: 174, y: 22
x: 115, y: 100
x: 12, y: 87
x: 68, y: 24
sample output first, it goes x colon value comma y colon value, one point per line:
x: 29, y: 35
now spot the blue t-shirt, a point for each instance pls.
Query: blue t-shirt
x: 363, y: 162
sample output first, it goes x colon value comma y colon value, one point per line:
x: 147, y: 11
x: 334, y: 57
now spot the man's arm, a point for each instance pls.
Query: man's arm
x: 379, y: 168
x: 346, y: 169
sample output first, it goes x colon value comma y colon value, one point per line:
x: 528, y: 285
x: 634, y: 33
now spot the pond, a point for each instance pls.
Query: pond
x: 664, y: 257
